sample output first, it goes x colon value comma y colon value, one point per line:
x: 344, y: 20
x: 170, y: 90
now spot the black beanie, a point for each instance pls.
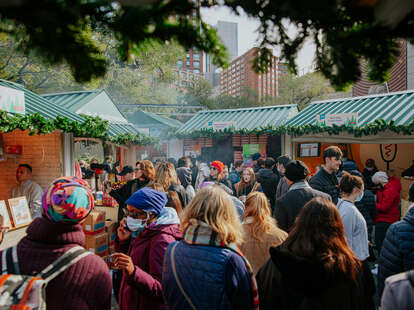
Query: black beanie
x: 296, y: 171
x: 411, y: 193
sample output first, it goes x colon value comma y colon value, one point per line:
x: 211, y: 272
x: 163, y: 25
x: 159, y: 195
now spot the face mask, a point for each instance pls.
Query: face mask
x: 360, y: 197
x: 136, y: 224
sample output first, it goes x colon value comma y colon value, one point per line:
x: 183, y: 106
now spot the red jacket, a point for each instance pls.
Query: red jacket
x: 86, y: 285
x: 388, y: 200
x: 143, y: 290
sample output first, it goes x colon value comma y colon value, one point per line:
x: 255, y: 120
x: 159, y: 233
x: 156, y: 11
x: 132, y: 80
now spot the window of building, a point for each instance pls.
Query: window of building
x: 180, y: 63
x: 196, y: 56
x: 187, y: 55
x: 188, y: 63
x: 196, y: 64
x: 196, y: 71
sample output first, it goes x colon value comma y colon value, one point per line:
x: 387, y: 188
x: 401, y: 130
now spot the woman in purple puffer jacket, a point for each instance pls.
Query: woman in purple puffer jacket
x: 144, y: 236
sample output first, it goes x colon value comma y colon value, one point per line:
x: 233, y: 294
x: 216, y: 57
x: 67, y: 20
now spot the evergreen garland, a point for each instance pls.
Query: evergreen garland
x: 92, y: 127
x: 374, y: 128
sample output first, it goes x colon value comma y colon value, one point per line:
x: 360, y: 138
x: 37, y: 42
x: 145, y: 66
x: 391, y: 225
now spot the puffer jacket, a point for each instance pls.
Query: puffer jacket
x: 325, y: 182
x: 388, y: 200
x: 213, y: 277
x: 397, y: 254
x: 143, y: 289
x: 86, y: 285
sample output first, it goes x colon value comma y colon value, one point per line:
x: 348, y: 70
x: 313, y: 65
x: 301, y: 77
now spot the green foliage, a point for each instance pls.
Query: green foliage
x: 300, y: 90
x: 344, y: 32
x: 61, y: 30
x: 374, y: 128
x: 138, y: 139
x: 92, y: 127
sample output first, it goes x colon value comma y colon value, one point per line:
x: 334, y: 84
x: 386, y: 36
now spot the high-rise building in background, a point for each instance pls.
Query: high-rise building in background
x: 229, y: 35
x: 240, y: 78
x: 401, y: 75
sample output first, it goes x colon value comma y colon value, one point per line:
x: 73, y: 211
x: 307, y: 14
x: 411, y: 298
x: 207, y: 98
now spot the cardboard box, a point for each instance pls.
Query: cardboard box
x: 94, y: 223
x: 111, y: 229
x: 97, y: 244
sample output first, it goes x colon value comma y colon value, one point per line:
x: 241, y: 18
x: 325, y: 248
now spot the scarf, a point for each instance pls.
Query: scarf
x: 299, y: 185
x: 200, y: 233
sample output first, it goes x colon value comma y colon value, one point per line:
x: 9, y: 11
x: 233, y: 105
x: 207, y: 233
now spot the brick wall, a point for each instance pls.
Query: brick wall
x: 43, y: 153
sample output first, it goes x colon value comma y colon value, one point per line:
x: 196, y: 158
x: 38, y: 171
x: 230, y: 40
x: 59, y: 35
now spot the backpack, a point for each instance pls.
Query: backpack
x: 27, y: 292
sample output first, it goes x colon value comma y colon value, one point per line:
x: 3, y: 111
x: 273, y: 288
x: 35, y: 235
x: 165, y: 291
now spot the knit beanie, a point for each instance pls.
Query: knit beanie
x: 296, y: 171
x: 67, y: 200
x: 218, y: 165
x: 148, y: 199
x: 380, y: 177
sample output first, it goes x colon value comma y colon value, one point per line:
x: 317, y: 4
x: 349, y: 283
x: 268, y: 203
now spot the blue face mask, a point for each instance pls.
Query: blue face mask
x: 360, y: 197
x: 136, y: 225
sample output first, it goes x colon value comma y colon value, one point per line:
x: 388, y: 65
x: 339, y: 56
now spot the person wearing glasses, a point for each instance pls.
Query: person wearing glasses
x: 143, y: 238
x: 144, y: 174
x: 216, y: 175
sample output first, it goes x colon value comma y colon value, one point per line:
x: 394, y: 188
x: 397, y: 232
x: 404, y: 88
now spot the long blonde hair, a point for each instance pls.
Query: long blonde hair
x: 213, y: 206
x: 257, y: 207
x: 166, y: 175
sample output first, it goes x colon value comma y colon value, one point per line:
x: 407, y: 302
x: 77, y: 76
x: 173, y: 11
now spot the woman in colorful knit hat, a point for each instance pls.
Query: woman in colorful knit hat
x: 66, y: 202
x: 206, y: 270
x: 143, y: 238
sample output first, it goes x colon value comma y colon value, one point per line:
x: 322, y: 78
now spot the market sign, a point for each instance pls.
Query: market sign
x: 12, y: 100
x: 221, y: 125
x: 338, y: 119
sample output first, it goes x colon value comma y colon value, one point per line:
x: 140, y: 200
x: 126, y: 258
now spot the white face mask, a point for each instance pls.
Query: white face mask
x: 136, y: 224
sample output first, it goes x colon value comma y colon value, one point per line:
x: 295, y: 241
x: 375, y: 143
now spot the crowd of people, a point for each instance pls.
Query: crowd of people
x: 203, y: 237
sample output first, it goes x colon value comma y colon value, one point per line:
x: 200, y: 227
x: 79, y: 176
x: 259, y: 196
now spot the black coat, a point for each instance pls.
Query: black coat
x: 122, y: 194
x: 290, y: 204
x: 325, y: 182
x: 367, y: 207
x: 290, y: 282
x: 268, y: 181
x: 397, y: 252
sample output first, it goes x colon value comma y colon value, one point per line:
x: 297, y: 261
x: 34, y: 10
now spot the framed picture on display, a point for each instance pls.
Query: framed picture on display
x: 5, y: 213
x: 20, y: 212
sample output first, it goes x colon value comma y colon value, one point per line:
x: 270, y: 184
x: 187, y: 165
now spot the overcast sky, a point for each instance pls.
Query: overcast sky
x: 247, y: 35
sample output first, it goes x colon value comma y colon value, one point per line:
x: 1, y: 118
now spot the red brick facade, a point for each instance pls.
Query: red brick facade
x: 43, y: 153
x: 398, y: 76
x: 240, y: 76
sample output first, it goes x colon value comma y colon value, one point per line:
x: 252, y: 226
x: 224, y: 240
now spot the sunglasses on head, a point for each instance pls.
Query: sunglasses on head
x: 214, y: 168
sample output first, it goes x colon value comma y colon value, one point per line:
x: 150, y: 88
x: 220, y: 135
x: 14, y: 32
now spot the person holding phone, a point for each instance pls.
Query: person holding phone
x: 143, y: 237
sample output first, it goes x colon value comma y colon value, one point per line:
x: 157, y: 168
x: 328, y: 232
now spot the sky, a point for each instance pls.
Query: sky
x: 247, y: 35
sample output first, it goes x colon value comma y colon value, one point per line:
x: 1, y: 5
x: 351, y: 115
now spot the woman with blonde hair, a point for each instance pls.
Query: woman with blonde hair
x: 167, y: 177
x: 206, y: 270
x: 260, y: 230
x: 247, y: 184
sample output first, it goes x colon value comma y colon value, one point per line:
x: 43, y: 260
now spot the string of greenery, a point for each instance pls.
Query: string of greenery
x: 374, y: 128
x: 92, y: 127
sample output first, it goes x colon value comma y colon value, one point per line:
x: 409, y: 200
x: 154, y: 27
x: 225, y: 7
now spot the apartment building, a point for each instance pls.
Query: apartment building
x: 240, y: 77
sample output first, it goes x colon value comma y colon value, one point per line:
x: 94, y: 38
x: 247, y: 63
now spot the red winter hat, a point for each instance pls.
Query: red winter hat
x: 218, y: 165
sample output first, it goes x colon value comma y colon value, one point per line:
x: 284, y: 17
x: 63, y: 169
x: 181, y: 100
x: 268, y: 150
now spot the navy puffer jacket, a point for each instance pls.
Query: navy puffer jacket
x: 397, y: 254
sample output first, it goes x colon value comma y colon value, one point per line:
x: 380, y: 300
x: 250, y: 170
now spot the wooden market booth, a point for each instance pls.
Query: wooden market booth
x: 380, y: 127
x: 234, y: 134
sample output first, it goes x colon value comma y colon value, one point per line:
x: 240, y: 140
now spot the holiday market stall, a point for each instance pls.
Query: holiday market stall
x: 37, y: 132
x: 379, y: 127
x: 236, y: 134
